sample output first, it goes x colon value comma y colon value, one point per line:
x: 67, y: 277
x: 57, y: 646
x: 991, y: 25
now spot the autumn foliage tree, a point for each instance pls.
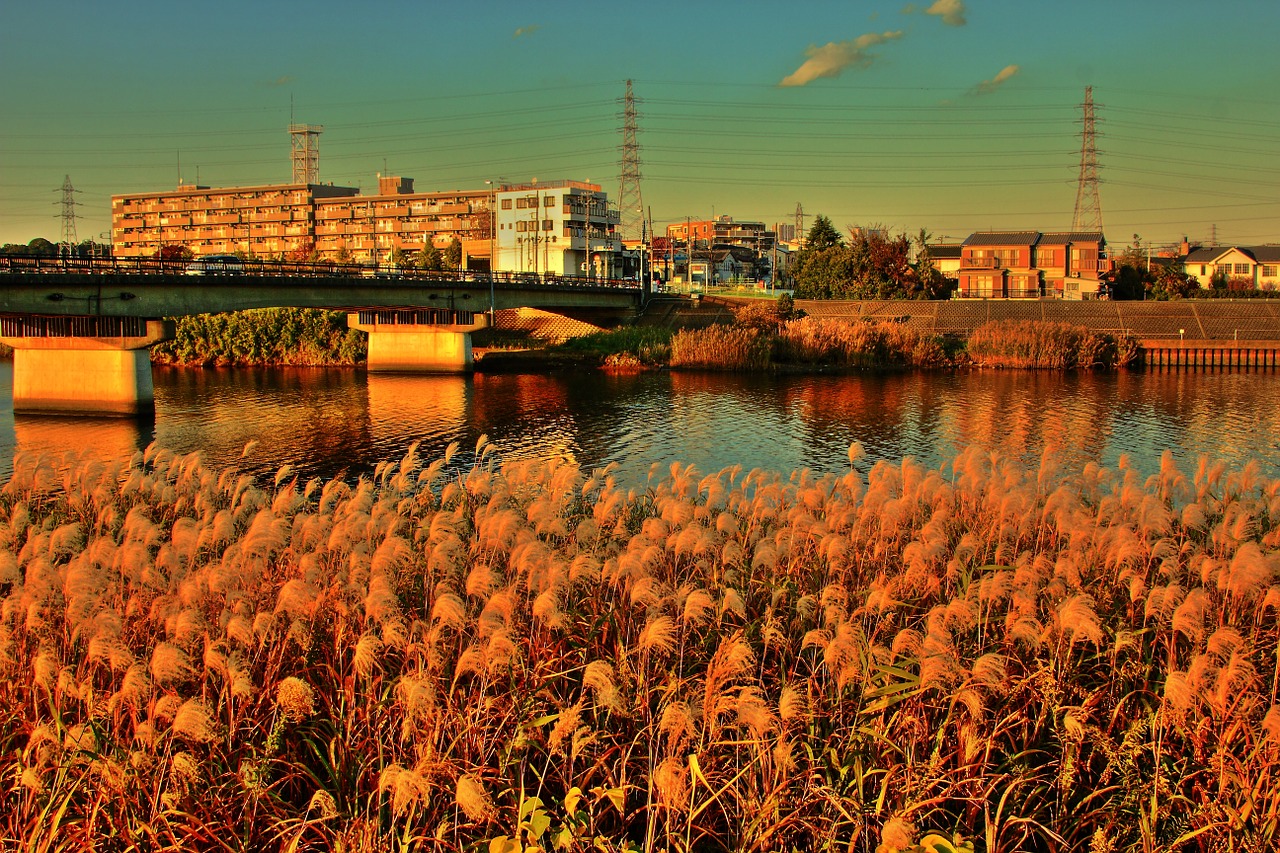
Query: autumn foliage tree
x: 873, y: 264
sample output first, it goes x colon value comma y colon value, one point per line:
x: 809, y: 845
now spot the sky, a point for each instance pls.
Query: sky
x: 952, y: 116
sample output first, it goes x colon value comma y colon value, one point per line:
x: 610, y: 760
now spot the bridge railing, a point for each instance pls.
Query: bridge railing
x: 28, y: 264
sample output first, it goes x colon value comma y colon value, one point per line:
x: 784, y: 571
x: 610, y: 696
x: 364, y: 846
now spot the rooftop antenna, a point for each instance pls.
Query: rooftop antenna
x: 1088, y: 214
x: 305, y: 148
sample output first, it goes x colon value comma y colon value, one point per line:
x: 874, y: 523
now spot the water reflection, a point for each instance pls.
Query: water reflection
x: 324, y: 421
x: 108, y: 438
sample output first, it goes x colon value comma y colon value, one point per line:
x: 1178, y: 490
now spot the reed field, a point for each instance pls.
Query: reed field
x: 761, y: 338
x: 528, y: 656
x: 1039, y: 344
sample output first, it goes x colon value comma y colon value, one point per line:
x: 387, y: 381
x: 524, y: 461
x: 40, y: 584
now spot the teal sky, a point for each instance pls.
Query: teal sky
x: 954, y: 116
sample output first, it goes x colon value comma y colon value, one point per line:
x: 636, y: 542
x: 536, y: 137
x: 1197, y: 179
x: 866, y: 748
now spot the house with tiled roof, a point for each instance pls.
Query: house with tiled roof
x: 946, y: 258
x: 1033, y: 265
x: 1256, y: 267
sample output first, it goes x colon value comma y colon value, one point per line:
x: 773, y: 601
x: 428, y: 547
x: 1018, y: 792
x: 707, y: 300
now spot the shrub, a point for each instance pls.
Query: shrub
x: 270, y: 336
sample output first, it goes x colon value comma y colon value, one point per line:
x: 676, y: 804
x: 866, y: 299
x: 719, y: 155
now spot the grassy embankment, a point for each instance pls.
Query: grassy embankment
x: 1035, y: 659
x: 763, y: 338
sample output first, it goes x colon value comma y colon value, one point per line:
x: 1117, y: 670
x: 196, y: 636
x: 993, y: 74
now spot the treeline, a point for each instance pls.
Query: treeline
x: 42, y: 248
x: 267, y: 336
x: 871, y: 264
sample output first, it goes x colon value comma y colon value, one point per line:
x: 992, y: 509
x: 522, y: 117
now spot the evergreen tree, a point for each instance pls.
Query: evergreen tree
x: 453, y: 254
x: 432, y: 258
x: 823, y: 235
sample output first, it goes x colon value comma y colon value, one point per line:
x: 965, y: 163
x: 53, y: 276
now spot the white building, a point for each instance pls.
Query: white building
x: 1258, y: 267
x: 559, y: 228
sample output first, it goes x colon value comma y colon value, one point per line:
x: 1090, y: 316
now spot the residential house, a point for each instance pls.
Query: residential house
x: 946, y: 259
x: 1251, y: 267
x: 1033, y: 265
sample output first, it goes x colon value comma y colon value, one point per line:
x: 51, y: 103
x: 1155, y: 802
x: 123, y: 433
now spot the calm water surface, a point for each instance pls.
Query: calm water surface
x: 325, y: 421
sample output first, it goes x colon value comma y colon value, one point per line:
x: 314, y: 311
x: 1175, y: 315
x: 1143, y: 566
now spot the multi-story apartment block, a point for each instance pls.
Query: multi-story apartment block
x: 558, y: 228
x: 261, y: 221
x: 563, y: 228
x: 1031, y: 265
x: 1256, y: 266
x: 723, y: 231
x: 397, y: 219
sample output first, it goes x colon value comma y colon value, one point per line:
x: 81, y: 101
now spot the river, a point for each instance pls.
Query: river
x: 328, y: 421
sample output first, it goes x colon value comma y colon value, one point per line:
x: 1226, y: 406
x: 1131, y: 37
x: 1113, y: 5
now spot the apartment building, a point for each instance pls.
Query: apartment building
x: 723, y: 231
x: 560, y: 228
x: 259, y: 221
x: 1033, y: 265
x: 368, y: 229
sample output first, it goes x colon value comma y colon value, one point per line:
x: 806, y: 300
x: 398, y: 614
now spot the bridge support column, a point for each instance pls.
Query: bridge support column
x: 85, y: 375
x: 405, y: 346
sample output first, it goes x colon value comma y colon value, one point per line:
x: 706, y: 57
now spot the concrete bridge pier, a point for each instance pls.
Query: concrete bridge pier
x: 419, y: 341
x: 96, y: 374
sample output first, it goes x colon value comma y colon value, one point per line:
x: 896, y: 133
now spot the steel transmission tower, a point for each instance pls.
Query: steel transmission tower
x: 304, y: 145
x: 1088, y: 215
x: 69, y: 204
x: 630, y: 202
x: 801, y: 236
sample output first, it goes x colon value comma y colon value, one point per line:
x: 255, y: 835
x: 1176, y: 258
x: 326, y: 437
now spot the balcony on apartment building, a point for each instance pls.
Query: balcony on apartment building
x: 982, y: 263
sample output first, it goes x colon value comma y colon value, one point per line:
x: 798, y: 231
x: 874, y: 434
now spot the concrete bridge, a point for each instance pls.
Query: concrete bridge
x: 81, y: 329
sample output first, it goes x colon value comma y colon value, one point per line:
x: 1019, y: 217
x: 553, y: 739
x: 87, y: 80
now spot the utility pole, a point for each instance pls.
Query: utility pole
x: 1088, y: 213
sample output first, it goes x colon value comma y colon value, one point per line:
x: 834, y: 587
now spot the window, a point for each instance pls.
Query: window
x: 546, y: 224
x: 1047, y: 257
x: 1243, y: 269
x: 522, y: 203
x: 548, y: 201
x: 1269, y: 271
x: 506, y: 204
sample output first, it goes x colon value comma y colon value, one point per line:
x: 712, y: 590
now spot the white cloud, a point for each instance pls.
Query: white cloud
x: 986, y: 87
x: 834, y: 57
x: 950, y: 11
x: 527, y: 31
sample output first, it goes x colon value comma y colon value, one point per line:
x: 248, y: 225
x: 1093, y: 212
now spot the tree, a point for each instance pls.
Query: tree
x: 1169, y: 282
x: 453, y: 254
x: 400, y: 259
x: 1130, y: 276
x: 431, y: 258
x: 173, y: 252
x: 823, y: 235
x: 305, y: 253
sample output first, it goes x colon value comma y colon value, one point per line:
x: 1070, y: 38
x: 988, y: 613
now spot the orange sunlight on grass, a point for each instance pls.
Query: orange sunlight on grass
x: 535, y: 657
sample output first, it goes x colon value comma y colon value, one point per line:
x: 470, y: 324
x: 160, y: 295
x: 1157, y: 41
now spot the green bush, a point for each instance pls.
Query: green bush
x: 273, y: 336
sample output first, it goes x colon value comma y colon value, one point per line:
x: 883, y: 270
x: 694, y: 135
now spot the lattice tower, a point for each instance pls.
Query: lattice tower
x: 304, y: 145
x: 69, y: 204
x: 630, y: 202
x: 801, y: 236
x: 1088, y: 215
